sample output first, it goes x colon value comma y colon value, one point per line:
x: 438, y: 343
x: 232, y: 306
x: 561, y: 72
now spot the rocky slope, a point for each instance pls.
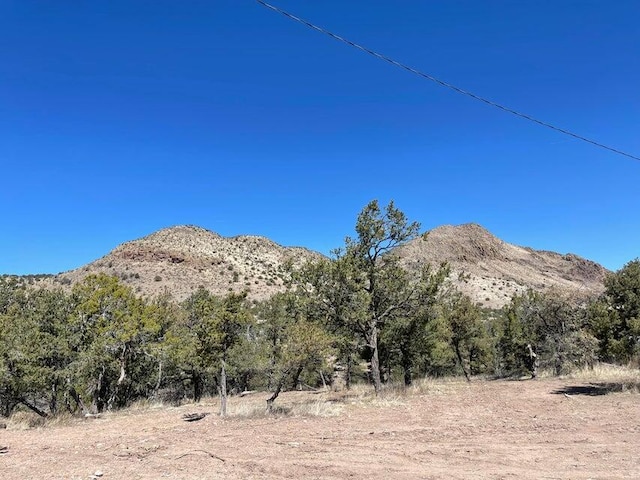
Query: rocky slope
x: 490, y: 270
x: 180, y: 259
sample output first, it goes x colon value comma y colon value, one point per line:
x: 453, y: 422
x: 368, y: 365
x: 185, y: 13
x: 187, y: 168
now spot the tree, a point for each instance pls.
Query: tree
x: 229, y: 323
x: 404, y: 336
x: 387, y: 288
x: 216, y: 325
x: 110, y: 330
x: 513, y: 336
x: 34, y: 349
x: 469, y: 339
x: 334, y: 298
x: 294, y: 341
x: 616, y: 321
x: 163, y: 313
x: 436, y: 357
x: 545, y: 328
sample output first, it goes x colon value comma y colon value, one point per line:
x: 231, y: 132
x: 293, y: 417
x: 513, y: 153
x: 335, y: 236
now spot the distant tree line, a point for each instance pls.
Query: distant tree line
x: 358, y: 316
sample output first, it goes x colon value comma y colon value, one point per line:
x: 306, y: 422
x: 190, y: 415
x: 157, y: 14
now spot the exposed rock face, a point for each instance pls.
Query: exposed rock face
x: 490, y: 270
x: 180, y: 259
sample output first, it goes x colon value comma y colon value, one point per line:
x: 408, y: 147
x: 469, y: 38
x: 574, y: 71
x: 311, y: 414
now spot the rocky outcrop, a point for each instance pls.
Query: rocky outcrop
x: 490, y: 270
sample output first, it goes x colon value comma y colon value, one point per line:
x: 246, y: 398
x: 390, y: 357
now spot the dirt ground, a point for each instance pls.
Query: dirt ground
x: 543, y: 429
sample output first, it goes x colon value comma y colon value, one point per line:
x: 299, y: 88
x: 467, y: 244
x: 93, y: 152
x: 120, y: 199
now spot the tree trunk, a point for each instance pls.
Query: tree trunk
x: 295, y: 381
x: 533, y: 361
x: 559, y: 360
x: 272, y: 363
x: 274, y: 395
x: 375, y: 359
x: 53, y: 402
x: 347, y: 373
x: 197, y: 386
x: 223, y: 390
x: 123, y: 375
x: 461, y: 361
x: 159, y: 381
x: 33, y: 408
x: 76, y: 398
x: 406, y: 366
x: 98, y: 395
x: 324, y: 382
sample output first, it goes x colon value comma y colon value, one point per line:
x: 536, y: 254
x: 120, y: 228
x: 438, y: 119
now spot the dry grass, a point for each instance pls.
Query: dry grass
x: 324, y: 403
x: 27, y: 420
x: 295, y: 404
x: 397, y: 394
x: 146, y: 404
x: 328, y: 403
x: 319, y: 403
x: 616, y: 378
x: 23, y: 420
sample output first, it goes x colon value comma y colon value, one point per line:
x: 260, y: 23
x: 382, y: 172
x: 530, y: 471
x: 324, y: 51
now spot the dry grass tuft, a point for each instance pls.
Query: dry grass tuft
x: 437, y: 386
x: 62, y: 419
x: 23, y: 420
x: 250, y: 410
x: 317, y: 408
x: 146, y: 404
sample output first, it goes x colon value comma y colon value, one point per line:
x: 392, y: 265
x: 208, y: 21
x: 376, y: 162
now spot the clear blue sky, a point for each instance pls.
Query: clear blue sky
x: 120, y: 118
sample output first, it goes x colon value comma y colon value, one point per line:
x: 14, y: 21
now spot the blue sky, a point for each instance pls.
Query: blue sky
x: 123, y: 117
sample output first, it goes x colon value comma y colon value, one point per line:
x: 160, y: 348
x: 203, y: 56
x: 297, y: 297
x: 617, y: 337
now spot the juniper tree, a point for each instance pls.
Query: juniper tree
x: 110, y: 329
x: 214, y: 327
x: 294, y: 341
x: 548, y: 328
x: 616, y: 319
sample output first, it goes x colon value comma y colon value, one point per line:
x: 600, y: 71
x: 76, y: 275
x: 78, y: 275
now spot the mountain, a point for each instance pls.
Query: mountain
x: 490, y: 270
x: 180, y: 259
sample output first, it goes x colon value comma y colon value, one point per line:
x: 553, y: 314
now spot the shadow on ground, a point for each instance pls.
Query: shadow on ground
x: 591, y: 389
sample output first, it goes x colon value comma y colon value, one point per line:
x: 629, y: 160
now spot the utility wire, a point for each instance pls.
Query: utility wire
x: 441, y: 82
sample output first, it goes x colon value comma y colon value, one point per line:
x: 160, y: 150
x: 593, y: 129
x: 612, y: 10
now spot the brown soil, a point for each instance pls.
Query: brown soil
x: 453, y: 430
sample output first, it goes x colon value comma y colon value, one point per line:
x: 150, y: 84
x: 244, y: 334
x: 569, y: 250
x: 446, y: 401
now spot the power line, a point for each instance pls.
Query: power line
x: 441, y: 82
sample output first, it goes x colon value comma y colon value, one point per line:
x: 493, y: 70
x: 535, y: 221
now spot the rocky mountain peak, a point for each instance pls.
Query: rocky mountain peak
x: 491, y: 270
x: 179, y: 259
x: 465, y: 243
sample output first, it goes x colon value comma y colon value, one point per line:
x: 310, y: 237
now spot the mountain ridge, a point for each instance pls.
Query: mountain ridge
x: 181, y: 258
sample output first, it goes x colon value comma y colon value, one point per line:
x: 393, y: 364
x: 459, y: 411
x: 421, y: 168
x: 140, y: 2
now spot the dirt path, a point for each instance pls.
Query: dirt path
x: 484, y: 430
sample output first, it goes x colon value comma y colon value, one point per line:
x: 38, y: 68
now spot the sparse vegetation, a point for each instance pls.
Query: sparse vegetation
x: 359, y: 317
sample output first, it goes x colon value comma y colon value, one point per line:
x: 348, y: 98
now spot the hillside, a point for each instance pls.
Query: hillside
x: 490, y: 270
x: 180, y: 259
